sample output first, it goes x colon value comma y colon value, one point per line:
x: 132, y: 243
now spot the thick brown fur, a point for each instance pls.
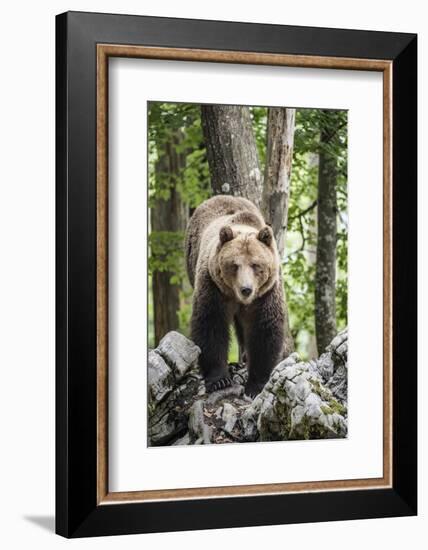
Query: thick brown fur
x: 232, y: 263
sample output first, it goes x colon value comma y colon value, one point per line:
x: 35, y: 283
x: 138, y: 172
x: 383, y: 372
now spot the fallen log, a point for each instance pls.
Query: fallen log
x: 301, y: 400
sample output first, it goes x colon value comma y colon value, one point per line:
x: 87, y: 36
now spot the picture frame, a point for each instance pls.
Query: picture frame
x: 84, y: 44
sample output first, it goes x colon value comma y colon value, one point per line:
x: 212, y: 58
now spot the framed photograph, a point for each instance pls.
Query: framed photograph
x: 236, y: 274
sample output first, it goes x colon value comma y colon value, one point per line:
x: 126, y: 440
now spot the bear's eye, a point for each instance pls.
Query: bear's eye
x: 255, y: 266
x: 232, y: 266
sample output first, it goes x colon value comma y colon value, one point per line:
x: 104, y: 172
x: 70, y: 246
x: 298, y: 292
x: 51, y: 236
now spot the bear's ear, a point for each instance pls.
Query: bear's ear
x: 226, y: 234
x: 265, y: 235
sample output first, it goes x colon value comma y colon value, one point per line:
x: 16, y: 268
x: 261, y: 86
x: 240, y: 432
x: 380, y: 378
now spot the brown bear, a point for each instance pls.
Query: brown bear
x: 233, y: 265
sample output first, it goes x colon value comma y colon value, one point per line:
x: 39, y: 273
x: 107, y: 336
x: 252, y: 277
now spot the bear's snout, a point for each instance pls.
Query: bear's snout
x: 246, y: 291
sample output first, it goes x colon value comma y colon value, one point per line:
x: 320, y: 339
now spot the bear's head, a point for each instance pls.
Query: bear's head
x: 247, y: 262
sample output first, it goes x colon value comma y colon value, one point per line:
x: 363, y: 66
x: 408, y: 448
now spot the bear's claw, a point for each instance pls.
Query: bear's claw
x: 219, y: 384
x: 252, y: 391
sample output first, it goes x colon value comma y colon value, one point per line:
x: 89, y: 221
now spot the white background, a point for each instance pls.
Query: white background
x: 27, y: 274
x: 133, y: 466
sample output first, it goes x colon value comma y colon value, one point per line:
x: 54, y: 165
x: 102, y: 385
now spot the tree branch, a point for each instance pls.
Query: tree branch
x: 305, y: 211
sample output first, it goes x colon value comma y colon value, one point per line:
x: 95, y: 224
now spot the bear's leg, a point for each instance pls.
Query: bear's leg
x: 241, y: 342
x: 265, y: 340
x: 210, y: 331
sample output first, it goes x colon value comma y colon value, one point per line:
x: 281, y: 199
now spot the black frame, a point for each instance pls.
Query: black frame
x: 77, y: 513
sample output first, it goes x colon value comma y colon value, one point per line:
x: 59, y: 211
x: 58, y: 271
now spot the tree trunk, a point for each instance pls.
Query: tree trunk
x: 232, y: 151
x: 279, y: 156
x: 167, y: 215
x: 325, y: 282
x: 276, y: 186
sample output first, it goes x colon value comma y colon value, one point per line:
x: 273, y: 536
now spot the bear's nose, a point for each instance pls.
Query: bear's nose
x: 246, y: 291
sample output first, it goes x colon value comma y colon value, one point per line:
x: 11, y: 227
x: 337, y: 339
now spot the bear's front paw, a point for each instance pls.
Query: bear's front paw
x: 253, y: 390
x: 218, y: 384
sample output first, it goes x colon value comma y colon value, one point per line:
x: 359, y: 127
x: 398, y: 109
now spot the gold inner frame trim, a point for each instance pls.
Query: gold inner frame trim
x: 104, y: 51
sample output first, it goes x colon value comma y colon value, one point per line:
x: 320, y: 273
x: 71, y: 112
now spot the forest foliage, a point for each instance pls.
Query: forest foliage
x: 178, y: 126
